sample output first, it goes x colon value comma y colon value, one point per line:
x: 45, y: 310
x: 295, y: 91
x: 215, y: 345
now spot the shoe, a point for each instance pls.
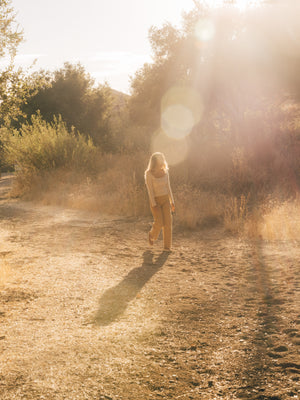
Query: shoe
x: 150, y: 240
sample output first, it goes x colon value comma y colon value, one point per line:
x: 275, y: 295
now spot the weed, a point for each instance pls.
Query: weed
x: 236, y: 213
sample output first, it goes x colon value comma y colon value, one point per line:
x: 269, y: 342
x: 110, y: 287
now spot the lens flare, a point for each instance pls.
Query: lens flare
x: 181, y: 110
x: 174, y: 150
x: 204, y: 30
x: 177, y: 121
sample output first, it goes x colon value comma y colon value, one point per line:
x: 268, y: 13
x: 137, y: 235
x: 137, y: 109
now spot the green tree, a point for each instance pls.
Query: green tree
x: 10, y: 38
x: 152, y: 80
x: 70, y: 92
x: 10, y: 88
x: 10, y: 35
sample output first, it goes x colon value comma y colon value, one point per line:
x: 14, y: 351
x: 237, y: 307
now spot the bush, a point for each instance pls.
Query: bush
x: 43, y: 147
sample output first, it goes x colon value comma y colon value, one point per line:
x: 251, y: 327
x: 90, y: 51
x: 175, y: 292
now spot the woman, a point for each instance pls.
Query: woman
x: 161, y: 199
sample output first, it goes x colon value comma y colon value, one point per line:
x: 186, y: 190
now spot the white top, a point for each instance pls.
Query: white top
x: 158, y: 187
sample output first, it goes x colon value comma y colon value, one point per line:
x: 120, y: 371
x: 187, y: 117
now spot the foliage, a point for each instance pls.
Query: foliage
x: 152, y: 81
x: 10, y: 87
x: 69, y: 92
x: 10, y: 38
x: 243, y: 68
x: 42, y: 146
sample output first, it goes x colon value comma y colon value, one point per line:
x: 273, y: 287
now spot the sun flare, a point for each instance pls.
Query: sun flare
x: 242, y: 5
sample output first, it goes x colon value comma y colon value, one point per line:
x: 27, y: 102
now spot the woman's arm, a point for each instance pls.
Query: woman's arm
x: 149, y: 185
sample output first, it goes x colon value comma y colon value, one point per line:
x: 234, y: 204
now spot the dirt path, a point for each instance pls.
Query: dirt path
x: 87, y: 311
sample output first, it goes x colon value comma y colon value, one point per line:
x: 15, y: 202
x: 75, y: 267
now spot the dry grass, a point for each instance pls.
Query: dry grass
x: 198, y: 209
x: 281, y: 222
x: 235, y: 213
x: 4, y: 272
x: 274, y: 221
x: 119, y: 189
x: 128, y: 199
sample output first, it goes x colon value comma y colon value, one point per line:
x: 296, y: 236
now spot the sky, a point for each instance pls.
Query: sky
x: 108, y: 37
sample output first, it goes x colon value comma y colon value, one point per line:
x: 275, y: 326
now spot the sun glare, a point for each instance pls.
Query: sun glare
x: 175, y: 150
x: 181, y: 110
x: 242, y: 5
x: 204, y: 30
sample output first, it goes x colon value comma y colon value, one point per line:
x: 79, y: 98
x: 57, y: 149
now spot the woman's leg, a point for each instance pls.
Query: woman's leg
x: 167, y: 225
x: 158, y: 222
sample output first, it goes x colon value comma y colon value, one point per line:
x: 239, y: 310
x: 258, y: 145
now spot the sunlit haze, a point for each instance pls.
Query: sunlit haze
x: 110, y: 39
x: 242, y: 5
x: 150, y: 199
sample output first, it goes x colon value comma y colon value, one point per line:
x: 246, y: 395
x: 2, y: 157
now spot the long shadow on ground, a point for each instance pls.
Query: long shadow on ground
x: 115, y: 300
x: 260, y: 365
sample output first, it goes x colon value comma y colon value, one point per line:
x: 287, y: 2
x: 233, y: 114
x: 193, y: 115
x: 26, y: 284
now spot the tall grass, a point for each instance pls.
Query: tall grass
x: 236, y: 213
x: 280, y: 221
x: 4, y: 273
x: 55, y: 166
x: 196, y: 208
x: 119, y: 189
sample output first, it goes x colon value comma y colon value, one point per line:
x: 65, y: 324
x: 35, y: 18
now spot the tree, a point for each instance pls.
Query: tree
x: 10, y: 88
x: 152, y: 80
x: 240, y: 65
x: 70, y: 92
x: 234, y: 61
x: 10, y: 35
x: 10, y: 38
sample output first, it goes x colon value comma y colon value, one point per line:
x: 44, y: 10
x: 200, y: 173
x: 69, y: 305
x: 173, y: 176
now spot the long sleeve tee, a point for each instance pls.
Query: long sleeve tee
x: 158, y: 187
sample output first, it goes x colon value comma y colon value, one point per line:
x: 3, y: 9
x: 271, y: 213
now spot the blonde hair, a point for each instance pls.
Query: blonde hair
x: 154, y: 160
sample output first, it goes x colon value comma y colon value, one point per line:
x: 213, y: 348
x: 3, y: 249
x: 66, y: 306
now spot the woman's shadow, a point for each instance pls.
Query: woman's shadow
x: 115, y: 300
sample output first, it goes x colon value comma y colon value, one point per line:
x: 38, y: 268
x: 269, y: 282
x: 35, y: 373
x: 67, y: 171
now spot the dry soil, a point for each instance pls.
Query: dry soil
x: 89, y: 311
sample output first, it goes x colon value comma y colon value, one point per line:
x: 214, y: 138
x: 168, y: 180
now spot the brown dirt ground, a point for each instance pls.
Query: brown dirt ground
x: 89, y: 312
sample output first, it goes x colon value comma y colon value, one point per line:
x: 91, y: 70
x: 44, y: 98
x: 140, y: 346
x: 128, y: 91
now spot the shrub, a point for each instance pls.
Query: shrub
x: 43, y: 147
